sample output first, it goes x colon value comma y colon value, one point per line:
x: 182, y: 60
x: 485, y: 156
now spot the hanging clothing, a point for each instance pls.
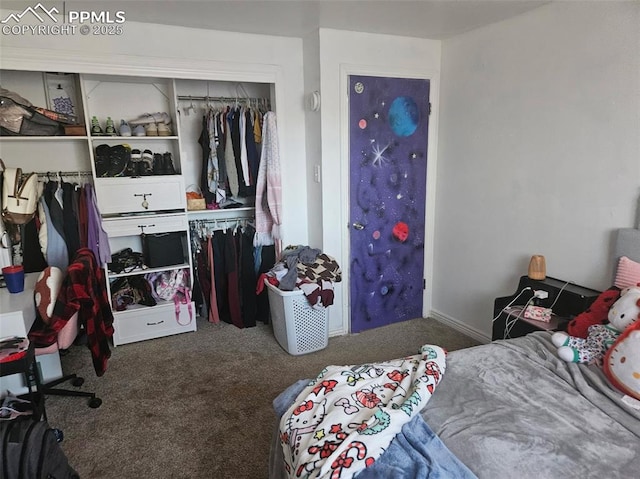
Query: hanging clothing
x: 61, y: 227
x: 247, y: 280
x: 232, y: 273
x: 238, y: 141
x: 33, y: 260
x: 70, y: 216
x: 269, y: 186
x: 207, y: 170
x: 253, y: 158
x: 55, y: 219
x: 267, y: 261
x: 224, y: 262
x: 202, y: 282
x: 219, y: 141
x: 214, y: 315
x: 229, y: 156
x: 83, y: 218
x: 97, y: 238
x: 56, y: 249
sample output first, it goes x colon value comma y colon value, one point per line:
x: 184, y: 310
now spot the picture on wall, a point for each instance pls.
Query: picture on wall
x: 61, y: 93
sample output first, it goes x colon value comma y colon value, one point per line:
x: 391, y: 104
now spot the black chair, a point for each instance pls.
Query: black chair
x: 25, y: 364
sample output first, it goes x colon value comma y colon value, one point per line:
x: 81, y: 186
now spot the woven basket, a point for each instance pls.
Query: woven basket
x: 195, y: 201
x: 196, y: 204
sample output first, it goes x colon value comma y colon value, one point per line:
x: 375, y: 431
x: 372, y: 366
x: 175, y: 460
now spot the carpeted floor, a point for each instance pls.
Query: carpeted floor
x: 198, y: 405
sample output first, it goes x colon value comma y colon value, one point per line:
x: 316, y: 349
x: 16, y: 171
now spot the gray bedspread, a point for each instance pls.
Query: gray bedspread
x: 512, y: 409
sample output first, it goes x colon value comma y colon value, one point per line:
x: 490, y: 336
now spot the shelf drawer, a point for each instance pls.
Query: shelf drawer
x: 137, y: 195
x: 116, y: 227
x: 142, y: 322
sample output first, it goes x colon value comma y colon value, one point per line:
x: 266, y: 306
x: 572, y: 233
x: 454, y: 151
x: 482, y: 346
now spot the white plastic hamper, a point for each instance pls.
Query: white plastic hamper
x: 298, y: 327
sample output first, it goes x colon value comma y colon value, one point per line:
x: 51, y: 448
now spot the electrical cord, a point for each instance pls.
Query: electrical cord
x: 559, y: 293
x: 512, y: 318
x: 510, y: 303
x: 510, y: 323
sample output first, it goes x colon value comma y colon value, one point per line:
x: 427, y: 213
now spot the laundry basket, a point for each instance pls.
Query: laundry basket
x: 298, y: 327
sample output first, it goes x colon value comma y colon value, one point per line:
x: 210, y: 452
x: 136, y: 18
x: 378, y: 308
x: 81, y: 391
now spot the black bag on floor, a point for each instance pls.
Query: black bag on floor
x: 30, y: 450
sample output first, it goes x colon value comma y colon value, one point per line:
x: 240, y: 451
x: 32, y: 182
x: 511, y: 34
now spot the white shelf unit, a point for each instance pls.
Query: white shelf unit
x: 138, y: 322
x: 42, y: 153
x: 131, y: 206
x: 125, y: 201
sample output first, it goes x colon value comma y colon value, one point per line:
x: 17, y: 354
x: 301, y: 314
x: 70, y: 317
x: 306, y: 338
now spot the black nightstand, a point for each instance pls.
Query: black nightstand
x: 568, y: 300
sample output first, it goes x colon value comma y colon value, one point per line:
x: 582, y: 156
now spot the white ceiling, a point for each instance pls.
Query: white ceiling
x: 436, y: 19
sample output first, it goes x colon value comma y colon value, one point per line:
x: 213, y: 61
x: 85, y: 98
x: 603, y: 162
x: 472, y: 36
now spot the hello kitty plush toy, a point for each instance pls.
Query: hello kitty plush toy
x: 624, y: 312
x: 622, y: 362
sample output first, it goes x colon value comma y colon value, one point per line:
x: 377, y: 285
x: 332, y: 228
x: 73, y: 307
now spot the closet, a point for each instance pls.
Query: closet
x: 133, y: 207
x: 224, y: 259
x: 226, y: 266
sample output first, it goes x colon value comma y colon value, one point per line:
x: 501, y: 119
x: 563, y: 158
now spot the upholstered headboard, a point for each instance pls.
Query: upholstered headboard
x: 627, y: 244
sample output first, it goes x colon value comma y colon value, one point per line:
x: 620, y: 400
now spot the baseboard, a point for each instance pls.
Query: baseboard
x: 337, y: 332
x: 463, y: 328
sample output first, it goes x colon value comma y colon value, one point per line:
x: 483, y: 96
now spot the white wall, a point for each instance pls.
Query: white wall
x: 175, y: 52
x: 539, y: 152
x: 343, y: 53
x: 312, y: 68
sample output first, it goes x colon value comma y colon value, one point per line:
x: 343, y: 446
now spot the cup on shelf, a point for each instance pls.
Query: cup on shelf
x: 14, y: 277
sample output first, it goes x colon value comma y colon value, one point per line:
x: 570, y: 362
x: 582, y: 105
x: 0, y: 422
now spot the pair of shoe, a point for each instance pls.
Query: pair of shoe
x: 156, y: 129
x: 112, y: 161
x: 96, y: 129
x: 110, y: 128
x: 152, y: 129
x: 141, y: 163
x: 146, y: 118
x: 125, y: 129
x: 163, y: 164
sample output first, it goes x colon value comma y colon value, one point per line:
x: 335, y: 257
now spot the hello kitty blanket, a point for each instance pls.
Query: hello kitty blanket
x: 346, y: 418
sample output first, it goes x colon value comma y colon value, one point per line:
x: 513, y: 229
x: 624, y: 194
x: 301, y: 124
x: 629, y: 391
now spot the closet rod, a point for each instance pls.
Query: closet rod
x: 215, y: 221
x: 219, y: 98
x: 54, y: 174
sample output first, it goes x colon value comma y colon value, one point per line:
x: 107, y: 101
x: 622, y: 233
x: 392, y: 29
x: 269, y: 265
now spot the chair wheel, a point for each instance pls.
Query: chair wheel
x: 77, y: 382
x: 95, y: 403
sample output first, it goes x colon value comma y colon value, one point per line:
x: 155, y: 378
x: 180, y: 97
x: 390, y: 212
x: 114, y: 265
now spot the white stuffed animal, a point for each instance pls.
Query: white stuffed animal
x: 622, y: 362
x: 624, y: 312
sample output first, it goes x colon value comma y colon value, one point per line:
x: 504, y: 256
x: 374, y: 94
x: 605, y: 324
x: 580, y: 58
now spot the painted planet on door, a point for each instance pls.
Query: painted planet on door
x: 404, y: 116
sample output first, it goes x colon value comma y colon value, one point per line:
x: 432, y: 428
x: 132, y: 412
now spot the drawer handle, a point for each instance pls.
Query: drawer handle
x: 145, y: 203
x: 154, y: 324
x: 142, y: 227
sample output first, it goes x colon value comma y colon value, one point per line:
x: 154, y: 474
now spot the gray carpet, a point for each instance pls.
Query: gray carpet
x: 198, y: 405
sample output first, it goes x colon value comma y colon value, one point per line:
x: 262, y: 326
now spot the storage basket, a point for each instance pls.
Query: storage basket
x: 298, y: 327
x: 195, y: 200
x: 164, y: 249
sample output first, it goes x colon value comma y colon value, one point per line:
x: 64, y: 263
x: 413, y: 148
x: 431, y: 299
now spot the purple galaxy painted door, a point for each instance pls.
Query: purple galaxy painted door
x: 388, y: 128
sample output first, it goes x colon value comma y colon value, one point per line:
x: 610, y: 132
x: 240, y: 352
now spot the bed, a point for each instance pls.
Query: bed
x: 508, y: 409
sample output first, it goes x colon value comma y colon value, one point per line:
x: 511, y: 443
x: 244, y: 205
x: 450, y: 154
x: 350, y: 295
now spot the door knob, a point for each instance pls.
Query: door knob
x: 358, y: 226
